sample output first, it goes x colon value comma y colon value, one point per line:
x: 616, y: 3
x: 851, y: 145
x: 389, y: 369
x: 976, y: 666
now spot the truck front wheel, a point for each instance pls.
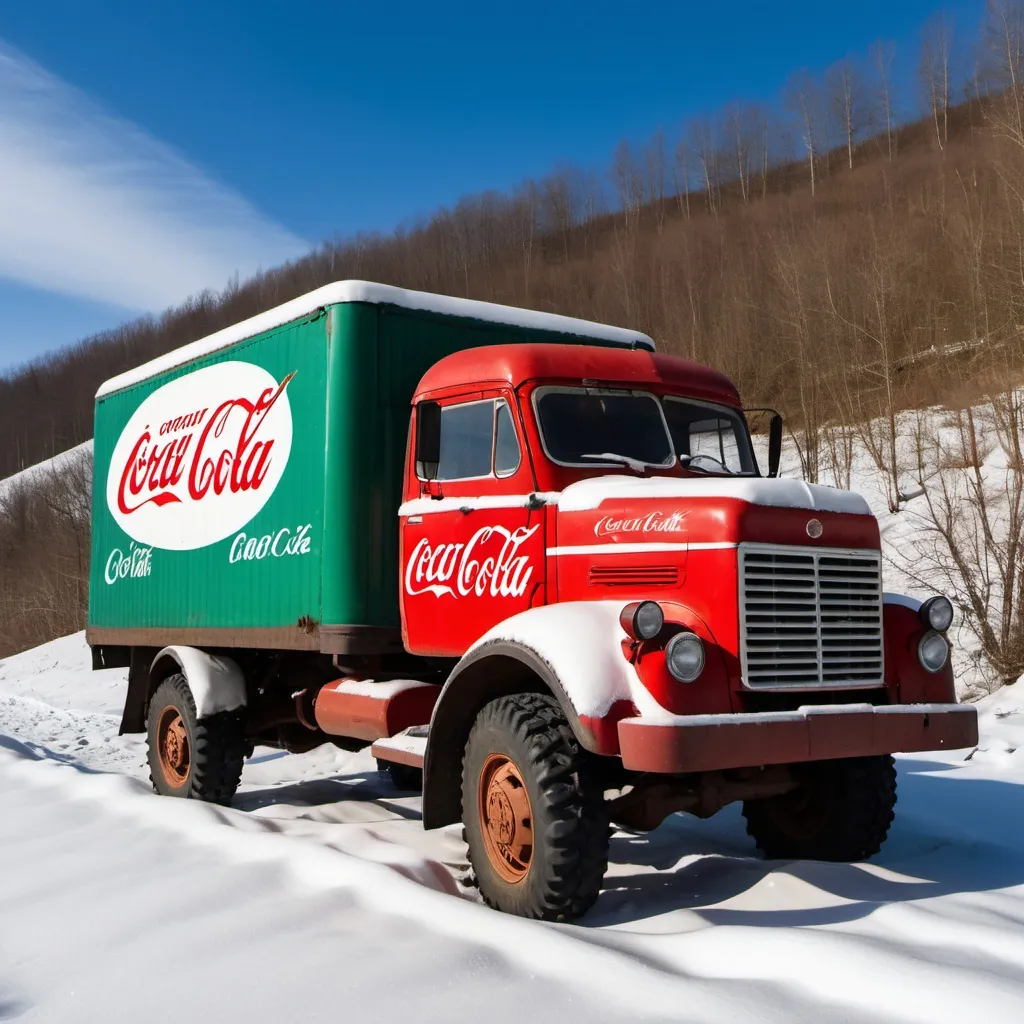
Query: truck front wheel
x: 840, y: 811
x: 200, y: 759
x: 533, y: 811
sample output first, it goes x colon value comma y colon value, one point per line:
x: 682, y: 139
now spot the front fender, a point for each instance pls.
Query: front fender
x: 571, y: 650
x: 905, y: 678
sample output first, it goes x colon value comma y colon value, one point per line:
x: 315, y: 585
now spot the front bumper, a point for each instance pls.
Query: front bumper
x: 814, y: 733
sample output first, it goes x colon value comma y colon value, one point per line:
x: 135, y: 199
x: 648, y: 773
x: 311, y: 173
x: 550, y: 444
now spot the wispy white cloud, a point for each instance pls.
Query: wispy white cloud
x: 93, y: 206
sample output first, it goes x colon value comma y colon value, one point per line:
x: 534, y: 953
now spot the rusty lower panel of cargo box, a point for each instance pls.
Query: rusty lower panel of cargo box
x: 709, y: 742
x: 304, y: 636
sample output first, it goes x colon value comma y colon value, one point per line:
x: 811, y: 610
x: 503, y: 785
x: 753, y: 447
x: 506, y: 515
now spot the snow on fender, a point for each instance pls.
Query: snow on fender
x: 217, y: 684
x: 581, y: 642
x: 574, y: 647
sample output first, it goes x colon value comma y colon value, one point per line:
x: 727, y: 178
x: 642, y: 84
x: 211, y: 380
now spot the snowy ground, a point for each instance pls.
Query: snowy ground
x: 318, y: 896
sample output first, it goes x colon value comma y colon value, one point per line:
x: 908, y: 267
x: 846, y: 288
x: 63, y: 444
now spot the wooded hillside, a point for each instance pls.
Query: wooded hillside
x: 840, y: 265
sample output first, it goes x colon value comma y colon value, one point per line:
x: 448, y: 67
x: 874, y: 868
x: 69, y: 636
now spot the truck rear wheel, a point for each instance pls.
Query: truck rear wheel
x: 840, y: 811
x: 200, y: 759
x: 534, y: 814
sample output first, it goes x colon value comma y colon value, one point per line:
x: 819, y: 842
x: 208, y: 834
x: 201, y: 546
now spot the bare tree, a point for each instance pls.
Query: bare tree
x: 763, y: 122
x: 560, y: 206
x: 794, y: 317
x: 879, y: 290
x: 973, y: 538
x: 707, y: 151
x: 681, y: 175
x: 654, y: 158
x: 882, y: 55
x: 628, y: 183
x: 936, y: 46
x: 736, y: 127
x: 1003, y: 36
x: 802, y: 99
x: 846, y: 103
x: 523, y: 231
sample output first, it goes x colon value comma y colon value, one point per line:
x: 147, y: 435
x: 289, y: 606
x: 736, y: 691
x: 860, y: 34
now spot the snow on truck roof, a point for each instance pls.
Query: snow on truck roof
x: 377, y: 294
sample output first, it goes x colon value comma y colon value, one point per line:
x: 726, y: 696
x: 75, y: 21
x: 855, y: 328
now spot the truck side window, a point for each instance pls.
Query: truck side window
x: 506, y: 447
x: 467, y: 441
x: 716, y: 438
x: 714, y: 432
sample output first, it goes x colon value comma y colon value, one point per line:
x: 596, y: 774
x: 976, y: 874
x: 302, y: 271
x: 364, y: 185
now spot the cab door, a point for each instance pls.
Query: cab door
x: 472, y: 543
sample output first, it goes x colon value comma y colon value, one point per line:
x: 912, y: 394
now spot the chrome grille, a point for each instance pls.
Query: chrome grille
x: 810, y: 617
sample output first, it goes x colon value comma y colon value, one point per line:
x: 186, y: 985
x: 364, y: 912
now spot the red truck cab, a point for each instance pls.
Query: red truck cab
x: 589, y: 528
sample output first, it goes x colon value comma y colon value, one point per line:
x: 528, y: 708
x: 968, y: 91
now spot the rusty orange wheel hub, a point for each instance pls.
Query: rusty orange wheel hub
x: 506, y: 818
x: 173, y: 747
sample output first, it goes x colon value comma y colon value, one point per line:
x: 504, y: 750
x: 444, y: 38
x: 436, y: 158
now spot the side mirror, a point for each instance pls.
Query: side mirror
x: 774, y: 445
x: 428, y: 439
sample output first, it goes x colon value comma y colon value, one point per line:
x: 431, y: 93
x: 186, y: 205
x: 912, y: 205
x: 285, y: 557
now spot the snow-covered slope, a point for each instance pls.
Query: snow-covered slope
x: 318, y: 896
x: 26, y: 476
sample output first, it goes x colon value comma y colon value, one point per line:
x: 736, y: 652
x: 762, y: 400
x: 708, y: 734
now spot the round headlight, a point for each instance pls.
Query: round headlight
x: 642, y: 620
x: 932, y: 651
x: 937, y: 613
x: 684, y: 656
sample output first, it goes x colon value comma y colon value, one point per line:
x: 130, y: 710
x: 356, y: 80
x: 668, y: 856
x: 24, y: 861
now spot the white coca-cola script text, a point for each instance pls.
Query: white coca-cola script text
x: 279, y: 544
x: 137, y: 563
x: 490, y: 562
x: 653, y: 522
x: 224, y: 455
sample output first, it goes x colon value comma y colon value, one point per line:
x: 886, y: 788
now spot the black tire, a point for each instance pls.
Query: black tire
x: 841, y: 811
x: 403, y: 776
x: 214, y: 750
x: 568, y: 855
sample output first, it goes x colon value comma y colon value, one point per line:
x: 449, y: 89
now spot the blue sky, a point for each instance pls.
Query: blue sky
x: 166, y: 146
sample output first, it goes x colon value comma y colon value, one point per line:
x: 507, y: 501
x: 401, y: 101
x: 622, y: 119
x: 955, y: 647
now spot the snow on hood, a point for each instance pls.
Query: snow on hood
x: 585, y: 495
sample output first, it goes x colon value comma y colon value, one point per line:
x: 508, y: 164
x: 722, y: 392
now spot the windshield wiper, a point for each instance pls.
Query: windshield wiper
x: 687, y: 463
x: 636, y: 465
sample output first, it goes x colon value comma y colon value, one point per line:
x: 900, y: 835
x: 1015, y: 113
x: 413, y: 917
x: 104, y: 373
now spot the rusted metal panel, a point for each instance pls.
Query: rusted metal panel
x: 284, y: 638
x: 710, y: 742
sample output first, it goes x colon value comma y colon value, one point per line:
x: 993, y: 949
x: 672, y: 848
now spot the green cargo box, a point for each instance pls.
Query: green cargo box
x: 246, y: 486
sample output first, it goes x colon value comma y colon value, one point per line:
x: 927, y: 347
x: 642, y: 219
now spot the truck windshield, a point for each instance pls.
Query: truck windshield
x: 596, y: 426
x: 709, y: 438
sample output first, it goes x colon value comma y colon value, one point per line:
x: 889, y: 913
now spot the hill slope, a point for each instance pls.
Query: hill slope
x: 825, y: 304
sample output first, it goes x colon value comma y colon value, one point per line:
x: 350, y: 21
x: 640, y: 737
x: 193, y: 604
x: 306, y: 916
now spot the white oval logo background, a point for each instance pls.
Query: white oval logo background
x: 184, y: 522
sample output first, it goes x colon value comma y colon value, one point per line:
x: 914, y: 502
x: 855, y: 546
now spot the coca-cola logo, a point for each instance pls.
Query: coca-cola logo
x: 490, y: 562
x: 134, y: 563
x: 201, y: 456
x: 653, y: 522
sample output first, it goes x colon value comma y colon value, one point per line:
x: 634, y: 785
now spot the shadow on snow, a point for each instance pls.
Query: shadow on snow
x: 950, y: 835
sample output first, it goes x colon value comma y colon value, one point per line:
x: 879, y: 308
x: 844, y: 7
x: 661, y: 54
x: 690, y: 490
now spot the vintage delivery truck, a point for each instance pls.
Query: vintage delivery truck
x: 532, y: 561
